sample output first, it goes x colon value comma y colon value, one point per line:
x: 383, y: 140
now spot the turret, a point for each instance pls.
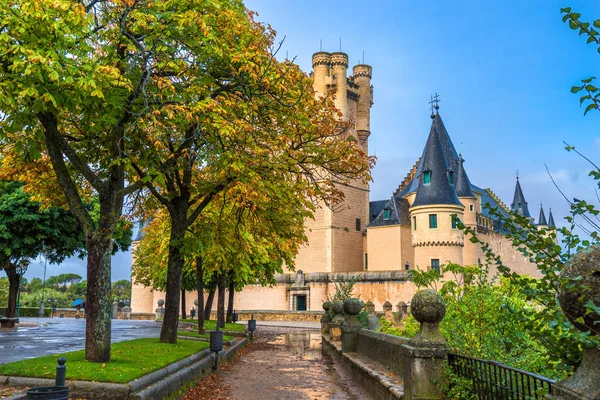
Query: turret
x: 542, y: 223
x: 519, y: 205
x: 462, y: 185
x: 435, y: 236
x: 362, y: 77
x: 339, y: 66
x: 551, y: 223
x: 321, y: 62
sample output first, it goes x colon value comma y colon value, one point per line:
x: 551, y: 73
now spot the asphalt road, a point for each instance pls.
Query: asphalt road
x: 58, y: 335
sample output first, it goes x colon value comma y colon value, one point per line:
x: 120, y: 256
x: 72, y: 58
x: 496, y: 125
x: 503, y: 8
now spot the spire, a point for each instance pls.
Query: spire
x: 433, y: 187
x: 519, y: 205
x: 551, y: 220
x: 542, y: 218
x: 462, y: 185
x: 447, y: 145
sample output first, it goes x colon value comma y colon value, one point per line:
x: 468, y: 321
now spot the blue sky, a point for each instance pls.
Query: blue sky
x: 503, y: 70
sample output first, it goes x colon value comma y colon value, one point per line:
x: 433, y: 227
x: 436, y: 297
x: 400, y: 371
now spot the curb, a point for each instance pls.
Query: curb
x: 155, y: 385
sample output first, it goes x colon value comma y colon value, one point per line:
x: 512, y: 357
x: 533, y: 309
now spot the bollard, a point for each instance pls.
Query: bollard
x: 193, y: 313
x: 61, y: 371
x: 216, y: 344
x: 234, y: 317
x: 251, y: 326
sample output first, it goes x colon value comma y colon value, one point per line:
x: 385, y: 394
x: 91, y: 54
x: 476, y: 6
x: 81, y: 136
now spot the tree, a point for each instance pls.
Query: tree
x: 235, y: 119
x: 26, y: 231
x: 73, y: 87
x: 121, y: 290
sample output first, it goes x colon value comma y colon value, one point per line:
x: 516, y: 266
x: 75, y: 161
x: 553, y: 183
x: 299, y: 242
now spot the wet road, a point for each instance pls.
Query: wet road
x: 59, y: 335
x: 283, y: 364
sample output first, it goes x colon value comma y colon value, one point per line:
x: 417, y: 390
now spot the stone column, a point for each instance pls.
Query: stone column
x: 373, y: 324
x: 326, y: 318
x: 115, y: 311
x: 351, y: 325
x: 402, y: 309
x: 160, y: 311
x: 580, y: 284
x: 335, y: 326
x: 426, y: 353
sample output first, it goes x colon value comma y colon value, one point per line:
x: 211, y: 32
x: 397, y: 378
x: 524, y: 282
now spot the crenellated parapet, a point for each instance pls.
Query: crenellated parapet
x: 362, y: 70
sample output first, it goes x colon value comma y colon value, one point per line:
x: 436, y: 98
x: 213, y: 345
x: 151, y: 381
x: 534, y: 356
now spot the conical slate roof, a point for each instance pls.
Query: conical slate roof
x: 519, y: 205
x: 551, y: 220
x: 542, y: 218
x: 439, y: 190
x: 447, y: 145
x: 462, y: 185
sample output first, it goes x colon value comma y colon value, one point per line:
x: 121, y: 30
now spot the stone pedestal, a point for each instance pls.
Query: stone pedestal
x: 584, y: 384
x: 427, y: 352
x: 115, y: 311
x: 351, y: 325
x: 387, y: 311
x: 335, y: 326
x: 373, y: 320
x: 160, y: 313
x: 127, y: 312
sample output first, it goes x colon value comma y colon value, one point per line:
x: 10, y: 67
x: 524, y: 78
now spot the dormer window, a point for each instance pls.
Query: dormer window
x: 451, y: 177
x: 386, y: 214
x: 426, y: 177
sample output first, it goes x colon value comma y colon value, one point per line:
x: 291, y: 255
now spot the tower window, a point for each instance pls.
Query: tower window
x: 358, y: 224
x: 451, y: 177
x: 432, y: 221
x: 471, y: 207
x: 427, y: 177
x: 366, y: 261
x: 453, y: 217
x: 415, y: 223
x: 435, y: 264
x: 386, y: 214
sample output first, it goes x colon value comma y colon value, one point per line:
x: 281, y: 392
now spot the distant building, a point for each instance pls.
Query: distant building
x: 376, y: 242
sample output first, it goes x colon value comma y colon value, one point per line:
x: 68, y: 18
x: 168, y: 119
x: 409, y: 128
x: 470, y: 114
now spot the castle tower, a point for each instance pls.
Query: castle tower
x: 465, y: 194
x: 435, y: 237
x: 519, y: 205
x: 362, y: 74
x: 335, y: 237
x: 551, y: 223
x: 339, y: 66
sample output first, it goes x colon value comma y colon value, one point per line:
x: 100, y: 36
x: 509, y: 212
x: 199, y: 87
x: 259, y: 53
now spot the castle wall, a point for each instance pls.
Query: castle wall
x: 385, y: 248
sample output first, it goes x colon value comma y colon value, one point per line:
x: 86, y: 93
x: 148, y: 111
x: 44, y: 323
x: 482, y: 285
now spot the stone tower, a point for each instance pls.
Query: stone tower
x: 335, y: 237
x: 435, y: 237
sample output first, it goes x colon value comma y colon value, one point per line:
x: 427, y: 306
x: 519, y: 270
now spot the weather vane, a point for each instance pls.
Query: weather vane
x: 434, y: 104
x: 517, y: 174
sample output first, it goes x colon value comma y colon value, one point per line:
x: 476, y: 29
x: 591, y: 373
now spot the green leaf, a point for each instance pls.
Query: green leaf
x: 576, y: 89
x: 590, y: 107
x: 565, y: 10
x: 573, y: 25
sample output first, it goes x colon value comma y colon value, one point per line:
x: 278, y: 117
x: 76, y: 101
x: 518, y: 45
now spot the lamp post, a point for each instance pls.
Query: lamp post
x: 21, y: 269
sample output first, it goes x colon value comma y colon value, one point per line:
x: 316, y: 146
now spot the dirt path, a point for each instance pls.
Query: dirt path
x: 280, y: 364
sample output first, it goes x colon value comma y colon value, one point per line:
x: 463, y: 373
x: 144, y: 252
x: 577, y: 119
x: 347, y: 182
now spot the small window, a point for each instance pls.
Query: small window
x: 366, y: 262
x: 427, y: 177
x: 386, y: 214
x: 432, y: 221
x: 451, y: 177
x: 435, y: 264
x: 519, y: 205
x: 471, y: 207
x: 301, y: 303
x: 358, y: 224
x: 415, y: 223
x: 406, y: 266
x: 453, y: 218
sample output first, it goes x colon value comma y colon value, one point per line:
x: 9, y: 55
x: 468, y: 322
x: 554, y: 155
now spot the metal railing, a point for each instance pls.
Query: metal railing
x: 495, y: 381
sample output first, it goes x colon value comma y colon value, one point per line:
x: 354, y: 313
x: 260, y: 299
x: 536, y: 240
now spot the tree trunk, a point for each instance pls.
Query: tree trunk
x: 168, y: 330
x: 221, y: 285
x: 230, y: 300
x: 98, y: 309
x: 208, y: 306
x: 13, y: 290
x: 183, y: 314
x: 200, y: 283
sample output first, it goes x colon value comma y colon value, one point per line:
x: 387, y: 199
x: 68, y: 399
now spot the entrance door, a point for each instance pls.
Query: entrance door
x: 301, y: 303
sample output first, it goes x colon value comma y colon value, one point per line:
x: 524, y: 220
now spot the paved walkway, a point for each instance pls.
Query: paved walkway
x: 281, y: 364
x: 59, y: 335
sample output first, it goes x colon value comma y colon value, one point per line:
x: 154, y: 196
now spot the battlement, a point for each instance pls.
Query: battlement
x: 362, y: 70
x: 321, y: 58
x: 408, y: 178
x: 339, y: 58
x: 497, y: 199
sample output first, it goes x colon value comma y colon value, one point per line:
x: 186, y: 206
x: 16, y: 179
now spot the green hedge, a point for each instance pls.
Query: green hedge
x: 33, y: 312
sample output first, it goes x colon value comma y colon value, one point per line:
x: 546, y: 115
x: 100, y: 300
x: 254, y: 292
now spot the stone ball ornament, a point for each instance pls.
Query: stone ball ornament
x: 428, y: 306
x: 352, y: 306
x: 338, y: 307
x: 161, y: 302
x: 327, y: 306
x: 579, y: 284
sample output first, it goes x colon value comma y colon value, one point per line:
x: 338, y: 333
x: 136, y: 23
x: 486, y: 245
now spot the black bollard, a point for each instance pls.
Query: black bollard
x: 216, y: 344
x: 234, y: 317
x: 251, y: 326
x: 61, y: 371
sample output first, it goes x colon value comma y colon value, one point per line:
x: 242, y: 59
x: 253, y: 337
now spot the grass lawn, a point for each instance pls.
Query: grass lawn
x: 128, y: 360
x: 201, y: 335
x: 212, y: 325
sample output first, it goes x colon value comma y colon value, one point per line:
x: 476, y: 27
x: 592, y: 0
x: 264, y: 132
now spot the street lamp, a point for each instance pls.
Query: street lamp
x: 21, y: 269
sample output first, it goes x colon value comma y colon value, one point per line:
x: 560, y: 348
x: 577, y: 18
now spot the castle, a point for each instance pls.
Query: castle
x: 374, y: 243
